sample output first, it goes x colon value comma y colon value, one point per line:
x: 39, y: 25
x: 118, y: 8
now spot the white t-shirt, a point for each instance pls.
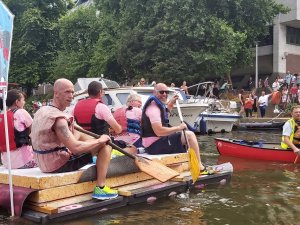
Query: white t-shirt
x: 287, y: 129
x: 263, y: 100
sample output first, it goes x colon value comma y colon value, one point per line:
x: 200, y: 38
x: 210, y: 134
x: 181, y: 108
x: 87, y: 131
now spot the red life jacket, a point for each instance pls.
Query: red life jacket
x: 11, y: 133
x: 84, y: 110
x: 120, y: 116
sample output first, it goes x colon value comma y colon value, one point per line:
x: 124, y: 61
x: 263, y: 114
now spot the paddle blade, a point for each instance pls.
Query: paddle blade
x: 155, y: 169
x: 194, y: 164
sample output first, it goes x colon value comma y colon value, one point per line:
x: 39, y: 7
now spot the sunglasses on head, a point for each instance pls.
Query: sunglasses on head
x: 162, y: 92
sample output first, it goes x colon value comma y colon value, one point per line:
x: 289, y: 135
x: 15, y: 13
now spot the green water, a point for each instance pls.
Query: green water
x: 259, y: 193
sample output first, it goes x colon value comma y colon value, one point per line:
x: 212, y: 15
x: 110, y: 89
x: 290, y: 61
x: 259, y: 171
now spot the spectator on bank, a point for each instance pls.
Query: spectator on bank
x: 255, y: 103
x: 250, y: 84
x: 184, y: 88
x: 263, y: 103
x: 215, y: 91
x: 260, y: 85
x: 249, y: 105
x: 298, y: 94
x: 298, y: 79
x: 242, y: 101
x: 294, y: 91
x: 266, y: 82
x: 288, y: 78
x: 276, y: 85
x: 142, y: 83
x: 285, y: 98
x: 280, y: 80
x: 172, y: 85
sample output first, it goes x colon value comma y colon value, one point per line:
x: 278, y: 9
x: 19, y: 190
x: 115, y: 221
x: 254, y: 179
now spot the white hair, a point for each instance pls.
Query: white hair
x: 133, y: 97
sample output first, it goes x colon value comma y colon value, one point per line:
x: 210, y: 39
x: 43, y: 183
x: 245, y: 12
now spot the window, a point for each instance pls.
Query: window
x: 108, y: 100
x: 292, y: 36
x: 122, y: 97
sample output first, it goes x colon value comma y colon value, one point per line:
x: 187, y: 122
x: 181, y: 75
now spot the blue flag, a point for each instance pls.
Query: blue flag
x: 6, y: 29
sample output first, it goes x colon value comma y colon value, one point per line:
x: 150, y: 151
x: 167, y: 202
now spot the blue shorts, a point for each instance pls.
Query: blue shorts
x: 167, y: 145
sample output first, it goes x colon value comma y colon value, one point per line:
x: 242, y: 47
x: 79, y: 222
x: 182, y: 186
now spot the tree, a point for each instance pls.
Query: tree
x: 173, y: 40
x: 163, y: 40
x: 35, y: 39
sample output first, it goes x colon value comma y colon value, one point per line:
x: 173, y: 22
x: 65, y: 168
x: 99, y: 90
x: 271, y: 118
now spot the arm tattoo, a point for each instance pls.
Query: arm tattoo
x: 65, y: 131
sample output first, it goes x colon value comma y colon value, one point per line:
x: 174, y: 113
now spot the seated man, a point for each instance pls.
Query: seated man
x: 291, y: 131
x: 59, y: 148
x: 93, y: 115
x: 158, y: 137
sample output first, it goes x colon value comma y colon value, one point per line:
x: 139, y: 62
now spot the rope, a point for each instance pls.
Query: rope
x: 274, y: 117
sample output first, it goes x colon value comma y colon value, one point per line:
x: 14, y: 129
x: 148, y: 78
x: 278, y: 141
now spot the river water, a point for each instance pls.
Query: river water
x: 260, y: 192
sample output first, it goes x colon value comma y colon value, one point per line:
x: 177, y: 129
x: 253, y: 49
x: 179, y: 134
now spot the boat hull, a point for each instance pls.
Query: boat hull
x: 190, y: 113
x: 229, y: 147
x: 216, y: 122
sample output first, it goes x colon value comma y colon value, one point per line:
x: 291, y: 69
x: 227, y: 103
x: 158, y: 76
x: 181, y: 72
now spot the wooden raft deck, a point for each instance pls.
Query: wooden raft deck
x: 63, y: 195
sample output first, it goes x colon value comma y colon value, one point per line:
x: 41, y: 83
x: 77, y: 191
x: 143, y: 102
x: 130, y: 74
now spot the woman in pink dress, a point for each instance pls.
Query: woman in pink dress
x: 22, y: 156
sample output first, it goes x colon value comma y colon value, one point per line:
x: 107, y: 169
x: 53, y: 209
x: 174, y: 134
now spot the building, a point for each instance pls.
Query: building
x: 280, y: 52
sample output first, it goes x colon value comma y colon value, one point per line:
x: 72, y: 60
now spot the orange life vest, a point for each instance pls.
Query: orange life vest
x: 276, y: 98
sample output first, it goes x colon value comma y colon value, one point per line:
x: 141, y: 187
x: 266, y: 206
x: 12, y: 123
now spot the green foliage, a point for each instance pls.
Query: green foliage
x: 35, y: 39
x: 162, y: 40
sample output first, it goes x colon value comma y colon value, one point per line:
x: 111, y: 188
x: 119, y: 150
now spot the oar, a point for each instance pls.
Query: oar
x: 296, y: 159
x: 152, y: 168
x: 194, y: 164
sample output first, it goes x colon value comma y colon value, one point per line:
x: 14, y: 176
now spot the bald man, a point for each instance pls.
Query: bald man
x: 158, y: 136
x: 59, y: 148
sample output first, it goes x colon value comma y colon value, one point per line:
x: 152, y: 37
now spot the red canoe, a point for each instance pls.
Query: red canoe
x: 254, y: 150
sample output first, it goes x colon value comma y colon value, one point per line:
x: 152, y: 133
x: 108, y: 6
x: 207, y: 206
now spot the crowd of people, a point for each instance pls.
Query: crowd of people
x: 283, y: 91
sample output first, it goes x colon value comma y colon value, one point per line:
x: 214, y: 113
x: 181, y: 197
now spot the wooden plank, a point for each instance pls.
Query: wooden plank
x: 172, y: 158
x: 43, y: 209
x: 65, y: 201
x: 126, y: 189
x: 34, y: 178
x: 71, y: 190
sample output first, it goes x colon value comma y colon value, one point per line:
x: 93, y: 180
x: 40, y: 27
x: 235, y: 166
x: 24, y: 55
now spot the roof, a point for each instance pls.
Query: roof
x: 83, y: 83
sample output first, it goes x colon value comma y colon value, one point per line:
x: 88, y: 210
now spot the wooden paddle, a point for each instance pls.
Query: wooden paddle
x: 152, y: 168
x: 296, y: 159
x: 193, y: 160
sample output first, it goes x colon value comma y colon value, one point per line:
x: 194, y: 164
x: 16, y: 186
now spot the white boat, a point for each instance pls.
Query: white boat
x: 216, y: 119
x: 116, y: 96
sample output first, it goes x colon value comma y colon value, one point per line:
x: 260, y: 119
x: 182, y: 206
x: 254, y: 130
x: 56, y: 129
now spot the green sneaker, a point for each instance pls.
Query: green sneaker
x: 104, y: 193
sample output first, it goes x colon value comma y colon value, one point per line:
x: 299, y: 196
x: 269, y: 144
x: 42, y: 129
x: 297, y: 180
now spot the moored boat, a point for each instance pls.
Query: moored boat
x: 261, y: 125
x: 254, y: 150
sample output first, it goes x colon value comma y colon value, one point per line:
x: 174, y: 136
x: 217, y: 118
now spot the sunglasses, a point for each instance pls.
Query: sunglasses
x: 162, y: 92
x: 142, y: 81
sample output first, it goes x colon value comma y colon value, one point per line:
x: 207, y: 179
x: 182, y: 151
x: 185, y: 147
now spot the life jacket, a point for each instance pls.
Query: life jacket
x: 84, y: 113
x: 147, y: 130
x: 128, y: 125
x: 276, y: 98
x: 16, y: 138
x: 294, y: 137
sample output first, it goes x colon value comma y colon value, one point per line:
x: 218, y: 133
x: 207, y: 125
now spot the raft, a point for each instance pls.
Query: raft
x: 44, y: 198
